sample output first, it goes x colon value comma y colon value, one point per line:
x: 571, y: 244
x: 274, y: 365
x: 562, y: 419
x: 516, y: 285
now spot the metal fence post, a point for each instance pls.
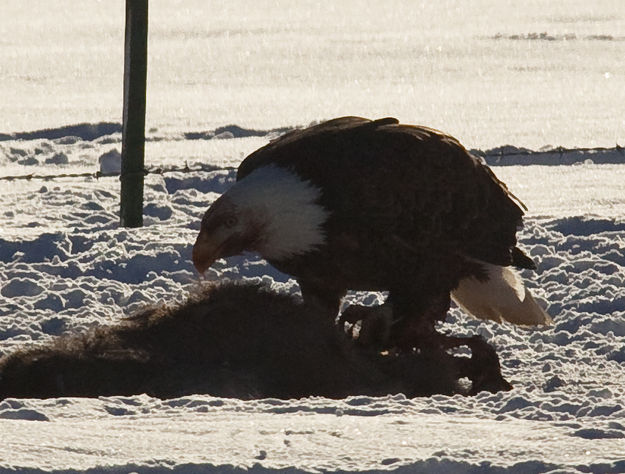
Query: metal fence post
x: 133, y: 132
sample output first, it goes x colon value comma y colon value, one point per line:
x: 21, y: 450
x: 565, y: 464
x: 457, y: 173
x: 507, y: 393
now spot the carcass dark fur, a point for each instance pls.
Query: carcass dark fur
x: 233, y: 340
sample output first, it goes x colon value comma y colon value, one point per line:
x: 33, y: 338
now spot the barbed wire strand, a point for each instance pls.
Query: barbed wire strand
x: 161, y: 170
x: 102, y: 174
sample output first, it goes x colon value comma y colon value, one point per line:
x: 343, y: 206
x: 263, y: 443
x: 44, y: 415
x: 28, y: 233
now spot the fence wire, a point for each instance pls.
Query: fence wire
x: 492, y: 157
x: 161, y: 170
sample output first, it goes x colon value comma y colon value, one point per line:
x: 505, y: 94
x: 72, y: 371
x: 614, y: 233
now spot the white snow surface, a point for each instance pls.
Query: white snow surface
x: 535, y: 74
x: 66, y: 265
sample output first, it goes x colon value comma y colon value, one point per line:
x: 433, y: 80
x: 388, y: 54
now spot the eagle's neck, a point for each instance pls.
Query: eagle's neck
x: 285, y: 209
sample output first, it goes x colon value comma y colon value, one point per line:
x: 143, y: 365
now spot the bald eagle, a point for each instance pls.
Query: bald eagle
x: 356, y: 204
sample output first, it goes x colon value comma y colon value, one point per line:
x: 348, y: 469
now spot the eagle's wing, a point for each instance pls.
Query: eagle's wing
x: 416, y: 184
x: 278, y: 151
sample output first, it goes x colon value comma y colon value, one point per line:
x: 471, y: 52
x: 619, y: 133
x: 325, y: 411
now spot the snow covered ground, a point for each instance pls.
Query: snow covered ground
x: 481, y: 70
x: 65, y: 265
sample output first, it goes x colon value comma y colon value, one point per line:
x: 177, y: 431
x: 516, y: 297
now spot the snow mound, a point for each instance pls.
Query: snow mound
x: 110, y: 162
x: 544, y: 36
x: 83, y: 131
x: 234, y: 131
x: 514, y: 156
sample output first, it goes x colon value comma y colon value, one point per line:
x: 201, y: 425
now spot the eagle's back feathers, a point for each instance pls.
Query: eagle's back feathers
x: 381, y: 180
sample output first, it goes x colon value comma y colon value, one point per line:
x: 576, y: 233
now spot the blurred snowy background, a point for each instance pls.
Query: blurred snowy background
x: 488, y: 72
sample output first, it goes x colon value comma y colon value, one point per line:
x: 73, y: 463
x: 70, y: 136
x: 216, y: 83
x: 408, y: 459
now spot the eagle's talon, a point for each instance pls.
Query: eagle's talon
x: 374, y: 325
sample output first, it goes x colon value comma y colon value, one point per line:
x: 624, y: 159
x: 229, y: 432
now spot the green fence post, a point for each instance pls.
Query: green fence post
x: 133, y: 132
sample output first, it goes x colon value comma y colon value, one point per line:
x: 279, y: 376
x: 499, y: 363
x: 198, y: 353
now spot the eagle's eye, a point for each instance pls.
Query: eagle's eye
x: 230, y: 222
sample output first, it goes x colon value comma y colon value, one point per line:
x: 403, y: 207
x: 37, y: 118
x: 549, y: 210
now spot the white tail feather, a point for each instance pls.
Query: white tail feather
x: 503, y: 297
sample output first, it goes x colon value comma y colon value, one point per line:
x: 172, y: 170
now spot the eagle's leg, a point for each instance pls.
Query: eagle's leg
x: 375, y: 324
x: 415, y: 318
x: 400, y: 323
x: 414, y: 328
x: 326, y: 301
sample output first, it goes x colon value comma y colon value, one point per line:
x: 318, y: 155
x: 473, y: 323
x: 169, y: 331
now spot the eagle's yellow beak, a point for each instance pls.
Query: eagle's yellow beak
x: 205, y: 251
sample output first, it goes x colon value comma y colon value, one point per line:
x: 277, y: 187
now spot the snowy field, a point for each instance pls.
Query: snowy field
x: 491, y: 73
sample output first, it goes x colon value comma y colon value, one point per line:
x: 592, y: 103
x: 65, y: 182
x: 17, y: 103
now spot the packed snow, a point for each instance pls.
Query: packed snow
x: 223, y: 81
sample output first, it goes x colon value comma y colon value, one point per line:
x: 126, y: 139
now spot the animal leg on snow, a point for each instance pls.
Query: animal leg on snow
x: 482, y: 368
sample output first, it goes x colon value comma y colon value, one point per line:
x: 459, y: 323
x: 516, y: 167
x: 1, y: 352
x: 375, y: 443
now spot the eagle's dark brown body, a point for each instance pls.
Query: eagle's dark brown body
x: 410, y: 211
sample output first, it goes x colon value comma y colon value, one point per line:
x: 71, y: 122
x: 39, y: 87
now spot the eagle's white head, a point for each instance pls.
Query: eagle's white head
x: 271, y: 211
